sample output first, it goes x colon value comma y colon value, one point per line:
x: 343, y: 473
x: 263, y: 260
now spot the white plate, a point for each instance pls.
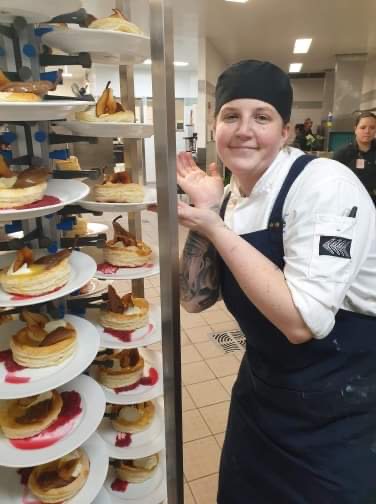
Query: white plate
x: 151, y: 269
x: 93, y: 405
x: 37, y: 10
x: 83, y: 268
x: 96, y: 206
x: 39, y: 111
x: 151, y: 440
x: 130, y: 48
x: 94, y: 228
x: 152, y: 333
x: 68, y: 191
x: 142, y: 392
x: 152, y: 491
x: 109, y: 129
x: 43, y: 379
x: 102, y: 498
x: 12, y: 492
x: 94, y: 287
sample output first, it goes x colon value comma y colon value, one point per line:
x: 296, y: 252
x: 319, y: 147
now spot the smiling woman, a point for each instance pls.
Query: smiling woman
x: 297, y: 269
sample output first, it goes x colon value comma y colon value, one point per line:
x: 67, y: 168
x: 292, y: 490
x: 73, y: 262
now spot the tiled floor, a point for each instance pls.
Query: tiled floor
x: 208, y: 375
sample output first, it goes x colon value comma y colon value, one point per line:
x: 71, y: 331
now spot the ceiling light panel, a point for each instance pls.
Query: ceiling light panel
x: 295, y: 67
x: 302, y: 45
x: 237, y: 1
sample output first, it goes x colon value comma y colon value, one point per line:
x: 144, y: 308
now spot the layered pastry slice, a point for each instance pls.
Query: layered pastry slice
x: 107, y: 109
x: 116, y: 22
x: 120, y: 368
x: 60, y: 480
x: 21, y: 188
x: 29, y: 277
x: 68, y: 164
x: 79, y: 228
x: 43, y: 342
x: 118, y: 188
x: 132, y: 418
x: 125, y: 250
x: 27, y: 417
x: 18, y: 91
x: 138, y: 470
x: 125, y: 313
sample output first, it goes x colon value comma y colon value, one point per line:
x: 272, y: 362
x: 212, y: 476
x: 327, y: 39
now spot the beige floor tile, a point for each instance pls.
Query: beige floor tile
x: 151, y: 292
x: 192, y: 320
x: 239, y: 355
x: 216, y: 416
x: 187, y: 402
x: 206, y: 393
x: 184, y: 340
x: 210, y: 349
x: 224, y: 366
x: 228, y: 382
x: 196, y: 372
x: 224, y: 326
x: 216, y: 317
x: 205, y: 489
x: 201, y: 458
x: 220, y: 439
x: 188, y: 497
x: 190, y: 354
x: 194, y: 427
x: 199, y: 334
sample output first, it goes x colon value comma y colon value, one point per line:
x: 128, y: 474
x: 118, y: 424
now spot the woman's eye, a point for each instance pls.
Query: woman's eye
x: 230, y: 117
x: 262, y: 118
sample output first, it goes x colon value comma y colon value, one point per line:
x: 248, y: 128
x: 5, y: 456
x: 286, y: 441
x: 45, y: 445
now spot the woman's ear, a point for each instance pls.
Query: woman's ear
x: 286, y: 129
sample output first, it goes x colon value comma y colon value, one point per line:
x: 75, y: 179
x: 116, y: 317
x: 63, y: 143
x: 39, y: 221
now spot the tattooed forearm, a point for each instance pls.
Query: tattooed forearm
x: 199, y: 279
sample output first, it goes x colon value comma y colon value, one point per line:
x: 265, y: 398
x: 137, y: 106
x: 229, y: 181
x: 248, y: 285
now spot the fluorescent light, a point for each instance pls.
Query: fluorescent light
x: 295, y: 67
x: 237, y: 1
x: 176, y: 63
x: 302, y: 45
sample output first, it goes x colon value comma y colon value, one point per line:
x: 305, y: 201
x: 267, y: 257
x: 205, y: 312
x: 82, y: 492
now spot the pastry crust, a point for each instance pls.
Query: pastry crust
x: 139, y: 470
x: 119, y: 193
x: 68, y: 164
x: 132, y: 318
x: 128, y: 368
x: 23, y: 418
x: 17, y: 197
x: 116, y: 22
x: 60, y: 480
x: 131, y: 256
x: 10, y: 96
x: 79, y: 229
x: 134, y: 417
x: 126, y: 116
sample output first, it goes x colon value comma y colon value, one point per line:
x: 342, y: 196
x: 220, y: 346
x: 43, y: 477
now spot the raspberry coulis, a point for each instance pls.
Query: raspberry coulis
x: 119, y: 485
x: 21, y: 297
x: 109, y: 269
x: 123, y: 440
x: 145, y: 380
x: 126, y: 336
x: 12, y: 367
x: 45, y: 201
x: 62, y: 426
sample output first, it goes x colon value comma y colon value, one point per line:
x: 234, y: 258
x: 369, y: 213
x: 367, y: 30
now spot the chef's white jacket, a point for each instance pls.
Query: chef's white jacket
x: 316, y: 214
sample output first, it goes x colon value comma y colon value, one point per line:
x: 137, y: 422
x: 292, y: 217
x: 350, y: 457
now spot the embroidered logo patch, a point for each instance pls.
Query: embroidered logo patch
x: 335, y: 246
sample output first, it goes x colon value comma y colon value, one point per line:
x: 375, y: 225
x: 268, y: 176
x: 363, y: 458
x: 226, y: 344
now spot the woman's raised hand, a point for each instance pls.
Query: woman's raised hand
x: 204, y: 189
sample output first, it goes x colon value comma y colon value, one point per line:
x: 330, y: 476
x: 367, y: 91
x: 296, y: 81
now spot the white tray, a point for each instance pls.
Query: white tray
x: 68, y: 191
x: 96, y: 206
x: 35, y: 11
x: 43, y: 379
x: 109, y: 129
x: 93, y: 405
x: 129, y: 48
x: 39, y: 111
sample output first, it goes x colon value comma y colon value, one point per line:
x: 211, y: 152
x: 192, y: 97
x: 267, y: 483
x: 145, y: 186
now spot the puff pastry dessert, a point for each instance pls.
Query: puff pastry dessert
x: 125, y: 313
x: 43, y: 342
x: 60, y: 480
x: 116, y: 22
x: 21, y: 188
x: 132, y: 418
x: 78, y: 229
x: 23, y: 418
x: 68, y: 164
x: 17, y: 91
x: 125, y: 250
x: 118, y: 188
x: 35, y: 278
x: 107, y: 109
x: 138, y: 470
x: 127, y: 367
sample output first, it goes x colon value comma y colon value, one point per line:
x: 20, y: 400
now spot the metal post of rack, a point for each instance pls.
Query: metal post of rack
x: 161, y: 35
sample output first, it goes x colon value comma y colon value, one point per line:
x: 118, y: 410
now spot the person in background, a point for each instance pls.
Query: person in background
x: 308, y: 123
x: 360, y: 156
x: 299, y: 140
x: 290, y: 245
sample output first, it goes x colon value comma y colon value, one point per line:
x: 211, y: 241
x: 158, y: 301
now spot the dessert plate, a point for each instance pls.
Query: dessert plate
x: 147, y: 335
x: 150, y: 198
x: 102, y: 498
x: 94, y: 228
x: 129, y: 48
x: 93, y: 287
x: 152, y: 491
x: 32, y: 381
x: 109, y: 129
x: 66, y: 437
x: 39, y: 111
x: 142, y: 444
x: 13, y: 492
x: 67, y: 191
x: 153, y: 361
x: 106, y: 271
x: 83, y: 268
x: 37, y: 10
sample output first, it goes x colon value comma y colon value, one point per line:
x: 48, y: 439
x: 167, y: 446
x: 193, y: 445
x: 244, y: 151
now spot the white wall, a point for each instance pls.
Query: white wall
x: 308, y: 100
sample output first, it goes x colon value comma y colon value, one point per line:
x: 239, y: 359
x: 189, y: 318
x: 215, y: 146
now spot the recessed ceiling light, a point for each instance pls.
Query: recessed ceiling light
x: 147, y: 62
x: 295, y: 67
x: 237, y: 1
x: 302, y: 45
x: 176, y: 63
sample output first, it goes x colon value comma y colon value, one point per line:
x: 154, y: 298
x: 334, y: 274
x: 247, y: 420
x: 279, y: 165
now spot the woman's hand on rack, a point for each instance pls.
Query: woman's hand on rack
x: 202, y: 220
x: 204, y: 189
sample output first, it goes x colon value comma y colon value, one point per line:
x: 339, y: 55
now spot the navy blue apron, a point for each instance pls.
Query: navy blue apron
x: 302, y: 422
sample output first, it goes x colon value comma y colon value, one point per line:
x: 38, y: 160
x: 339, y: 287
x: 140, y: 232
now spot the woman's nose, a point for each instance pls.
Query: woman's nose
x: 244, y: 128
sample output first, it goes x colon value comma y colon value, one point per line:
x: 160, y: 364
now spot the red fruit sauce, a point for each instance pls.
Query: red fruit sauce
x: 126, y: 336
x: 109, y: 269
x: 9, y: 363
x: 123, y: 440
x: 45, y: 201
x: 145, y: 380
x: 70, y: 410
x: 119, y: 485
x: 21, y: 297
